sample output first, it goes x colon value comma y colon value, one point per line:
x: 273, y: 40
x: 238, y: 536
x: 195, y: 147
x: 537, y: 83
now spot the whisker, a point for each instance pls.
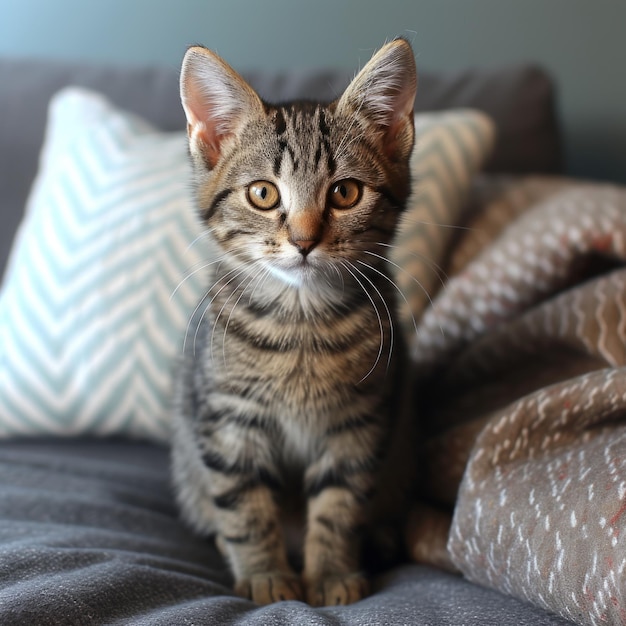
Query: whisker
x: 201, y: 266
x: 439, y: 271
x: 243, y: 291
x: 343, y: 283
x: 380, y: 322
x: 339, y: 275
x: 268, y: 271
x: 398, y: 290
x: 391, y: 328
x: 202, y: 235
x: 407, y: 219
x: 195, y: 311
x: 230, y: 280
x: 441, y: 274
x: 341, y: 148
x: 417, y: 282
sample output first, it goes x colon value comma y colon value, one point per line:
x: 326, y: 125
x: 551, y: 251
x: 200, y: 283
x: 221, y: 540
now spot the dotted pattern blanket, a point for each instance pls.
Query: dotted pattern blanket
x: 523, y: 354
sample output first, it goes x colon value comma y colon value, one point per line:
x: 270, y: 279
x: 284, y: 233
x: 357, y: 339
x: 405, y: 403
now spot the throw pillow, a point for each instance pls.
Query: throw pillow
x: 89, y: 327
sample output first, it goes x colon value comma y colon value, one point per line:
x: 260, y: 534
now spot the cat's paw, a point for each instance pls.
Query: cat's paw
x: 334, y: 590
x: 270, y: 587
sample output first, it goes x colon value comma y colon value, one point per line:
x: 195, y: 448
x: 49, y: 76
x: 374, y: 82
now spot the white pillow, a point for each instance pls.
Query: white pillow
x: 88, y: 323
x: 100, y: 283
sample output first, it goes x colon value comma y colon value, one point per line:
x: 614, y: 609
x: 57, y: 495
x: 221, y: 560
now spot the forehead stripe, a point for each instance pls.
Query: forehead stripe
x: 279, y: 122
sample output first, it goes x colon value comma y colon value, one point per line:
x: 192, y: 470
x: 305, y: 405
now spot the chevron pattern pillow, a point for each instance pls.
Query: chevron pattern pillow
x: 106, y: 267
x: 450, y: 148
x: 88, y: 324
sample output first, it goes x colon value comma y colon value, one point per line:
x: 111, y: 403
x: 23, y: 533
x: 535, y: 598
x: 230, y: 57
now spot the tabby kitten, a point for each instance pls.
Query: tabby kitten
x: 292, y: 375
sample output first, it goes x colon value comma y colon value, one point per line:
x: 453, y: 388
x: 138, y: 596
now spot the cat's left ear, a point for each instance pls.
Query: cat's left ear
x: 217, y: 101
x: 384, y: 93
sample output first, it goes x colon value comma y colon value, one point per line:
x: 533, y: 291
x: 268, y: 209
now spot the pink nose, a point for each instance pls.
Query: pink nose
x: 304, y: 246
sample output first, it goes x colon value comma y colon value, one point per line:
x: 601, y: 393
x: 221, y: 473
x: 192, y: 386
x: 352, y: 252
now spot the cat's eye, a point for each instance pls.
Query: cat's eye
x: 263, y: 195
x: 344, y: 194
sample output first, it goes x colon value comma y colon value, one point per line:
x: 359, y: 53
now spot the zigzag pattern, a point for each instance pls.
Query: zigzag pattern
x: 450, y: 147
x: 88, y: 330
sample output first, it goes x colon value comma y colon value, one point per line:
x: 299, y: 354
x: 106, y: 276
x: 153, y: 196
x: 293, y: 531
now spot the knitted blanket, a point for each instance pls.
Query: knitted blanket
x: 522, y: 366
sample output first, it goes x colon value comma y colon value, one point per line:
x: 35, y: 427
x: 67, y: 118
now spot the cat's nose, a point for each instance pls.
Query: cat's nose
x: 304, y: 246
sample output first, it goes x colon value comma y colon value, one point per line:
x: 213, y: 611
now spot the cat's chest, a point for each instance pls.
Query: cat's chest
x: 300, y: 445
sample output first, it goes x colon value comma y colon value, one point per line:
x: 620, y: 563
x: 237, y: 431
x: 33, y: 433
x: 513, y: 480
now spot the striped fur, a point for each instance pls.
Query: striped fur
x: 290, y: 372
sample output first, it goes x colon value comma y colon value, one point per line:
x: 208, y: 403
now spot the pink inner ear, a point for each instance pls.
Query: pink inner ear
x: 210, y: 146
x: 202, y: 128
x: 205, y: 139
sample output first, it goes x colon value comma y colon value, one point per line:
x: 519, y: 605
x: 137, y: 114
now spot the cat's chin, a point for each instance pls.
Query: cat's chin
x: 292, y: 277
x: 297, y: 276
x: 300, y: 276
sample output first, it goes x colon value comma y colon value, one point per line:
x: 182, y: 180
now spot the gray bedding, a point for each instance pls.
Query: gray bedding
x: 89, y: 535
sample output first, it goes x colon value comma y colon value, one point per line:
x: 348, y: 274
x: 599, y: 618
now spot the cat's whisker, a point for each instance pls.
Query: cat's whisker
x: 389, y: 317
x: 191, y: 318
x: 232, y: 310
x: 346, y: 143
x: 202, y: 235
x: 230, y: 280
x: 441, y: 274
x: 195, y: 311
x: 441, y: 225
x: 201, y: 266
x: 347, y: 265
x: 341, y: 278
x: 415, y: 280
x: 371, y: 267
x: 399, y: 267
x: 268, y: 271
x: 328, y: 275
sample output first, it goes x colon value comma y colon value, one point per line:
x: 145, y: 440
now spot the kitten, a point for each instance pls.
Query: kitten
x: 295, y: 372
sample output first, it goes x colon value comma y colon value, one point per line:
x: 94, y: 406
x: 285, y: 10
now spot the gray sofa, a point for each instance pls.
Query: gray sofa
x: 89, y: 532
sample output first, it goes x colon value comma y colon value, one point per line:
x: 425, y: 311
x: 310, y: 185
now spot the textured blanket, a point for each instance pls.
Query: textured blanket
x: 523, y: 353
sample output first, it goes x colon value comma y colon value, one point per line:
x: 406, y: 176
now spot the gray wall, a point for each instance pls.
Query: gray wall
x: 581, y: 42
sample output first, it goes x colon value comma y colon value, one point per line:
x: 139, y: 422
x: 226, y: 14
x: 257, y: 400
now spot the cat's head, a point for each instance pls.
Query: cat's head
x: 301, y: 188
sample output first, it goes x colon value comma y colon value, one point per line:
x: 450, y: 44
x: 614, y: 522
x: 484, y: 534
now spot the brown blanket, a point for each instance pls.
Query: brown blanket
x: 522, y: 359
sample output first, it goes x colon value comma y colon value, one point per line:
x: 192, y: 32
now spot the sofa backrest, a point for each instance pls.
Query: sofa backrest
x: 520, y: 99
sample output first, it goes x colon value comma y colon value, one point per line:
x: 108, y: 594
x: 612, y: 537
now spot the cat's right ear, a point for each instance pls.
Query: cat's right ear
x: 217, y: 101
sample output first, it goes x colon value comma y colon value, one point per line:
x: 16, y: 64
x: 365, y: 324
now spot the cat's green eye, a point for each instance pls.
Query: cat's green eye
x: 263, y: 195
x: 344, y: 194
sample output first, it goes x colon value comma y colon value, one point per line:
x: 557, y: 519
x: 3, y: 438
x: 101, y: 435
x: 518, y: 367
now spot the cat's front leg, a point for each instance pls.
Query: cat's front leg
x: 340, y: 491
x: 245, y: 514
x: 250, y: 537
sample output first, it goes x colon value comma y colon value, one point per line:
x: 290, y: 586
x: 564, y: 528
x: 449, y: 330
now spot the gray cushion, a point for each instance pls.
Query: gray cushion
x: 89, y: 535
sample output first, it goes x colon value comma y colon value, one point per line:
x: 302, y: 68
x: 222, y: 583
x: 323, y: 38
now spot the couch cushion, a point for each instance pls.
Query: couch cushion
x: 89, y: 535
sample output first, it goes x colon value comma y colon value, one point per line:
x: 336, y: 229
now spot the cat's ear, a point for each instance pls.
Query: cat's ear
x: 384, y: 93
x: 217, y: 101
